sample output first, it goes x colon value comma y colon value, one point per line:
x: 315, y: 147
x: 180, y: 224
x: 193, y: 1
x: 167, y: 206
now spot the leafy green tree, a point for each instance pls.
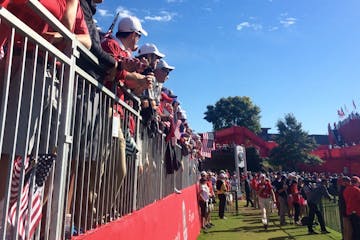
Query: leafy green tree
x: 294, y: 145
x: 234, y: 111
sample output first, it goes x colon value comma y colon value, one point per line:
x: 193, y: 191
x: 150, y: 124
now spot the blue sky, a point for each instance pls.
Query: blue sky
x: 288, y: 56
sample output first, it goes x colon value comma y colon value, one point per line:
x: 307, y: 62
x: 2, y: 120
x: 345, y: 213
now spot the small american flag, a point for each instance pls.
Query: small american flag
x: 28, y: 219
x: 208, y: 144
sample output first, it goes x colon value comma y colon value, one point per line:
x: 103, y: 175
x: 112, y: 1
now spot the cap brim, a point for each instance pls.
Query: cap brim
x: 159, y: 54
x: 143, y: 32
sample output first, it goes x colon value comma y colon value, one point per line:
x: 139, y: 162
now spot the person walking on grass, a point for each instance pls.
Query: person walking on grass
x: 313, y: 198
x: 248, y: 192
x: 266, y: 198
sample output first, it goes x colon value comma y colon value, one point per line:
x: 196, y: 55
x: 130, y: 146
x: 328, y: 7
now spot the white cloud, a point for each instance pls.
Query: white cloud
x: 104, y: 13
x: 174, y: 1
x: 163, y: 17
x: 242, y: 25
x: 123, y: 12
x: 254, y: 26
x: 273, y: 29
x: 287, y: 22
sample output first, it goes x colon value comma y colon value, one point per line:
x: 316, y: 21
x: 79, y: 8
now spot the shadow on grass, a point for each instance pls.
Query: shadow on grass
x: 289, y: 237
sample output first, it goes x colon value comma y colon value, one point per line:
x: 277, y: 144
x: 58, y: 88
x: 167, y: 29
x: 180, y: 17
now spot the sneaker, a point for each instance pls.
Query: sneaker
x: 324, y: 232
x: 265, y: 226
x: 223, y: 218
x: 312, y: 232
x: 212, y: 224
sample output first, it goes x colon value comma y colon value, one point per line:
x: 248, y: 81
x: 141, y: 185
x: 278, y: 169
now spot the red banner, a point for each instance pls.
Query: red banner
x: 174, y: 217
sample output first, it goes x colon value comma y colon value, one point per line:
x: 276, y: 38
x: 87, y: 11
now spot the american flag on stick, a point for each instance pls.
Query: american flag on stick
x: 30, y: 209
x: 208, y: 144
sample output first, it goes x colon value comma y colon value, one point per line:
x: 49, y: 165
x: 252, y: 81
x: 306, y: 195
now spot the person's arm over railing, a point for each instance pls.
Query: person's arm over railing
x: 73, y: 19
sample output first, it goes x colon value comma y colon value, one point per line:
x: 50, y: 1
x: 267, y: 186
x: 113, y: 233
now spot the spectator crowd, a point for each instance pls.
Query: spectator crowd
x: 296, y: 196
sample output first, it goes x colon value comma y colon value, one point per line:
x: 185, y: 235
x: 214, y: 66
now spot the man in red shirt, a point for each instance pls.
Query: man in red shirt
x: 121, y: 48
x: 352, y: 200
x: 254, y: 185
x: 266, y: 197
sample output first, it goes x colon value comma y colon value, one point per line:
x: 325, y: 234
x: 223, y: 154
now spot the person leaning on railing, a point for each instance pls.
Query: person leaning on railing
x: 121, y: 48
x: 352, y: 200
x: 107, y: 63
x: 28, y: 16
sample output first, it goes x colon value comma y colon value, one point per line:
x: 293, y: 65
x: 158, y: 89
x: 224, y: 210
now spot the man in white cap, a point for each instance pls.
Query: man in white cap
x: 121, y: 48
x: 150, y: 55
x: 161, y: 73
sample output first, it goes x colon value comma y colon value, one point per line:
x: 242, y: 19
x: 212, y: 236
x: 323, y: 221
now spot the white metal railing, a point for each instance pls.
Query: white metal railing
x: 49, y: 105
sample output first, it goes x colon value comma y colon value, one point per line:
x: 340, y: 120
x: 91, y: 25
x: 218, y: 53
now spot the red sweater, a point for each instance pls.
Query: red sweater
x: 352, y: 199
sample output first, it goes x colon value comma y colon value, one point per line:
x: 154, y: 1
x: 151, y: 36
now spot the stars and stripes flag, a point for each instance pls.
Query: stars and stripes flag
x: 30, y: 209
x: 208, y: 144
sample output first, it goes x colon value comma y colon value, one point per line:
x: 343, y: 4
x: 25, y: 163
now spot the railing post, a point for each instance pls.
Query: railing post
x: 137, y: 161
x: 64, y: 143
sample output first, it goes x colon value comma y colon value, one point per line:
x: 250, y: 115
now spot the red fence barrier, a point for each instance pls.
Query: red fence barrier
x: 174, y: 217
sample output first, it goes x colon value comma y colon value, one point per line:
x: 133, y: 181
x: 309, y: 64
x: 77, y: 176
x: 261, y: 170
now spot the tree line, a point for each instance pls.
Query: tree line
x: 294, y: 144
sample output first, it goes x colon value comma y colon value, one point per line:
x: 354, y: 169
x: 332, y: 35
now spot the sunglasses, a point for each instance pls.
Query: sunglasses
x: 167, y: 71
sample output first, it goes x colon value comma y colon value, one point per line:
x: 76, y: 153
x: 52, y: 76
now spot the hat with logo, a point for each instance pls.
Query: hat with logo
x: 149, y: 48
x: 131, y: 24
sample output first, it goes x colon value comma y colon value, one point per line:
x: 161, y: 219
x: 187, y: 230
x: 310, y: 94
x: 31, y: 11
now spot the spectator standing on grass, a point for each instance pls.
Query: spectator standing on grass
x: 313, y: 199
x: 254, y: 185
x: 248, y: 192
x: 346, y: 223
x: 206, y: 175
x: 266, y: 198
x: 281, y: 189
x: 204, y: 196
x: 296, y: 200
x: 221, y: 192
x: 352, y: 200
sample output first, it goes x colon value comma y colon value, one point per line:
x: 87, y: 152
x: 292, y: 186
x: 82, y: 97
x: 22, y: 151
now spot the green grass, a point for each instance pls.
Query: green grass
x: 247, y: 225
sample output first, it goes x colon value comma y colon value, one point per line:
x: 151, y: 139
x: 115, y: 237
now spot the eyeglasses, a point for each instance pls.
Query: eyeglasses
x: 138, y: 35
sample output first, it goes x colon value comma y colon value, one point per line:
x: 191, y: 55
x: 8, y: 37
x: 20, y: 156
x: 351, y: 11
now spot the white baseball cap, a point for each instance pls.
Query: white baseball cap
x: 163, y: 64
x: 150, y: 48
x: 131, y: 24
